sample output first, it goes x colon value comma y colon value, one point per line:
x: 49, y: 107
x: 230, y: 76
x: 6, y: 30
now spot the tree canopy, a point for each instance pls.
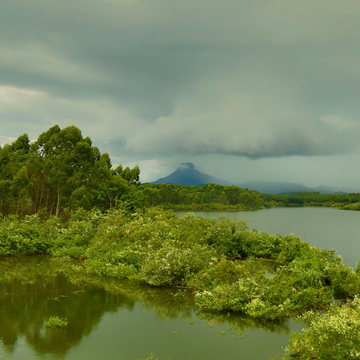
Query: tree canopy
x: 59, y: 172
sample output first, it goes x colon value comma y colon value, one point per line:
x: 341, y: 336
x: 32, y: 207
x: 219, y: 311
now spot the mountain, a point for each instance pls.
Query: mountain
x: 187, y: 174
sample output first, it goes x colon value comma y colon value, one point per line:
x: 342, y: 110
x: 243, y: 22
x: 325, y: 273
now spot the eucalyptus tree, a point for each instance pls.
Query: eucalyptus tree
x: 60, y: 170
x: 69, y: 161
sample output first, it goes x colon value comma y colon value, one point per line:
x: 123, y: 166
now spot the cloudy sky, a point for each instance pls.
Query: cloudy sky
x: 246, y: 90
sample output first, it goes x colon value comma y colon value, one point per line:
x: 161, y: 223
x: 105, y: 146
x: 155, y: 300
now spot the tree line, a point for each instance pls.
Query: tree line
x: 207, y: 197
x: 341, y: 201
x: 231, y: 198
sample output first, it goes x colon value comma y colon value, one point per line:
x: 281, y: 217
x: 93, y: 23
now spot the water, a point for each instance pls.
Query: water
x: 116, y: 319
x: 325, y: 228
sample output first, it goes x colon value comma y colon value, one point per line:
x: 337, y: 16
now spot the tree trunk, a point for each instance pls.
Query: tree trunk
x: 58, y: 201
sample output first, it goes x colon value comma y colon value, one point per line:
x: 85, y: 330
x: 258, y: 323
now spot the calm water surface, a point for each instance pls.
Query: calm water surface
x: 325, y: 228
x: 113, y: 319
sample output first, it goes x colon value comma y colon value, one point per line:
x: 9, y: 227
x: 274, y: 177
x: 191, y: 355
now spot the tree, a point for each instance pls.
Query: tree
x: 72, y: 162
x: 111, y: 191
x: 61, y: 169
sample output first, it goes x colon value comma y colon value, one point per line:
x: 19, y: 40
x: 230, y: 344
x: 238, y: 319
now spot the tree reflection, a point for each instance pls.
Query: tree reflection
x: 33, y: 288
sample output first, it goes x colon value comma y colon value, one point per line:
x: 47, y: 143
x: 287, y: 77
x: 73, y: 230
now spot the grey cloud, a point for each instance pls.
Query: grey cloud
x: 252, y: 113
x: 159, y: 79
x: 145, y: 54
x: 224, y: 136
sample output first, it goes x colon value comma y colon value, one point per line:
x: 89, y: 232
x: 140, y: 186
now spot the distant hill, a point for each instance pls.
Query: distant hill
x: 279, y: 188
x: 187, y: 174
x: 275, y: 188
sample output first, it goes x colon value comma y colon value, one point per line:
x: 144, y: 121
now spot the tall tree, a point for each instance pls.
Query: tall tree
x: 61, y: 169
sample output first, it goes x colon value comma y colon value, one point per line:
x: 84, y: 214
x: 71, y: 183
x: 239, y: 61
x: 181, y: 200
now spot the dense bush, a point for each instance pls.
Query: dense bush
x: 27, y: 236
x: 228, y: 267
x: 334, y: 334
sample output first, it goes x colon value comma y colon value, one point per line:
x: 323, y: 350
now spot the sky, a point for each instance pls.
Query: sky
x: 247, y: 90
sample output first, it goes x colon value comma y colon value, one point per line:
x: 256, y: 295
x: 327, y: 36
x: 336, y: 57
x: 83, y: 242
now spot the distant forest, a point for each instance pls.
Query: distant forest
x: 62, y: 171
x: 231, y: 198
x: 208, y: 197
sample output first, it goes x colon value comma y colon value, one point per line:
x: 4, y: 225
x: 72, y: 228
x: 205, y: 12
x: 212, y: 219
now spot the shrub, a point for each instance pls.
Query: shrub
x: 334, y: 334
x: 56, y: 322
x: 173, y: 265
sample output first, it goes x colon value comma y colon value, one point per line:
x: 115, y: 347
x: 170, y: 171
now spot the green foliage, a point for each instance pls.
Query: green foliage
x: 223, y: 272
x: 62, y: 172
x: 226, y: 266
x: 27, y: 236
x: 213, y: 197
x: 209, y: 197
x: 310, y: 280
x: 334, y: 334
x: 56, y: 322
x: 354, y: 206
x: 340, y: 201
x: 173, y: 264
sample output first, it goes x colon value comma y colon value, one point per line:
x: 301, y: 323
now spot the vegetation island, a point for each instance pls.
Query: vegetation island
x: 60, y: 196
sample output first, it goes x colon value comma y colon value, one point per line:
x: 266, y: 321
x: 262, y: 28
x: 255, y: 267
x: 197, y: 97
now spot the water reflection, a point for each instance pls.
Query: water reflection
x: 33, y: 288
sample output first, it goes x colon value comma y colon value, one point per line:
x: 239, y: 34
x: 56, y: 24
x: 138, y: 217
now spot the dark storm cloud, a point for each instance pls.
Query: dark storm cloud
x: 254, y: 79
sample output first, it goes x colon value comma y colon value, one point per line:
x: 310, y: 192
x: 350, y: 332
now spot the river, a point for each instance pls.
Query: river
x: 115, y: 319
